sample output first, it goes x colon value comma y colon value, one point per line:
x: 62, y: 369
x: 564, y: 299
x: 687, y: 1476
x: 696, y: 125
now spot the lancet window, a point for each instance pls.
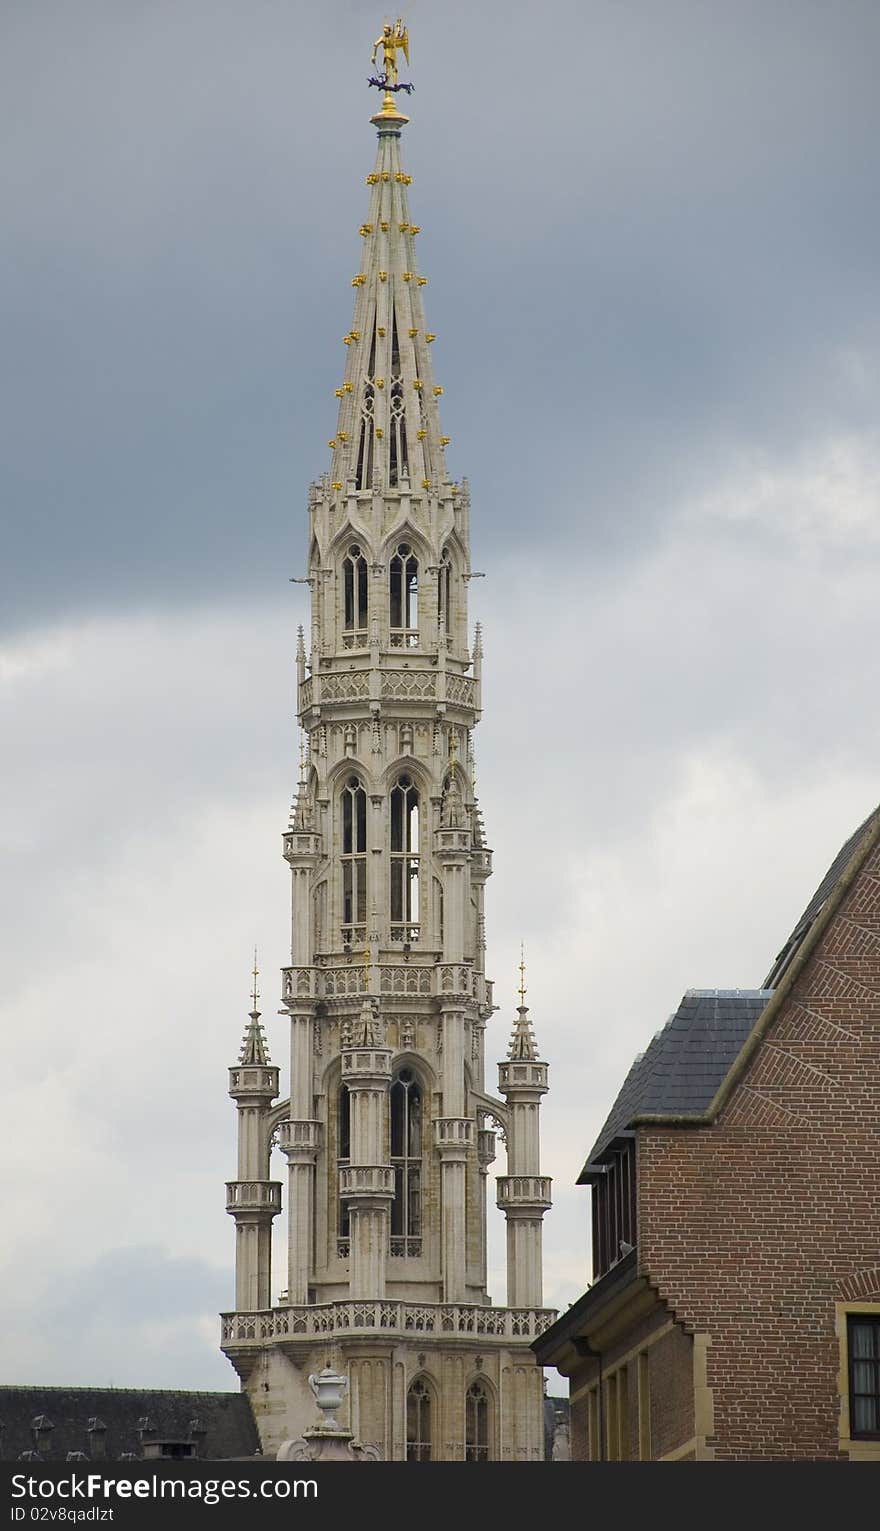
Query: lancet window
x: 364, y: 466
x: 405, y: 907
x: 444, y: 595
x: 404, y: 598
x: 354, y: 599
x: 398, y: 464
x: 353, y: 814
x: 418, y: 1422
x: 406, y: 1159
x: 343, y: 1156
x: 476, y: 1423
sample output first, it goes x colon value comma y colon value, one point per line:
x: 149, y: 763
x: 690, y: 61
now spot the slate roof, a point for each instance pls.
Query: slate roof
x: 825, y: 888
x: 685, y: 1062
x: 225, y: 1418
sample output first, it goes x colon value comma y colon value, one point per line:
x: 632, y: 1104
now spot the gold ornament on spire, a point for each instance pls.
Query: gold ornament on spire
x: 394, y: 40
x: 522, y: 975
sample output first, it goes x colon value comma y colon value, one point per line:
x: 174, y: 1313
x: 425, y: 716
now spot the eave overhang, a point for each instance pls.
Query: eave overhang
x: 616, y: 1300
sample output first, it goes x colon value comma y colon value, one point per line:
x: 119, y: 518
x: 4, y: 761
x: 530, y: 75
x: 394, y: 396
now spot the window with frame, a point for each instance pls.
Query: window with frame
x: 476, y: 1422
x: 614, y: 1207
x: 403, y: 589
x: 863, y: 1345
x: 406, y: 1161
x: 405, y: 908
x: 418, y: 1422
x: 353, y: 812
x: 354, y: 599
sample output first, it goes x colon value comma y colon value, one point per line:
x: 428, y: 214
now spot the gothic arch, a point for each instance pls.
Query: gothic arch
x: 422, y: 1419
x: 352, y: 530
x: 404, y: 531
x: 480, y: 1419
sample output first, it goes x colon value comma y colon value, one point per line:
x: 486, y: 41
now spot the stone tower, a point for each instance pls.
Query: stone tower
x: 389, y: 1128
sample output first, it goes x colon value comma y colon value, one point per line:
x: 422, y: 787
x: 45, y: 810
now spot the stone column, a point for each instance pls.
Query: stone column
x: 367, y: 1181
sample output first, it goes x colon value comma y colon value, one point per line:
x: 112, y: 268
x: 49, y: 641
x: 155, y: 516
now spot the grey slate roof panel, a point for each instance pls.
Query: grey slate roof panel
x: 685, y: 1063
x: 226, y: 1419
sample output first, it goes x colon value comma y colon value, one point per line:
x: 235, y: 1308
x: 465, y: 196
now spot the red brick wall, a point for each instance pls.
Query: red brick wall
x: 752, y: 1228
x: 671, y: 1391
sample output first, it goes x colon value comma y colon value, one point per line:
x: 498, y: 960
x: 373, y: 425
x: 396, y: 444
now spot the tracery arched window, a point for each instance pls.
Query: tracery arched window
x: 405, y: 909
x: 353, y: 811
x: 398, y: 464
x: 444, y: 594
x: 403, y: 610
x: 354, y: 599
x: 476, y: 1423
x: 343, y: 1156
x: 418, y: 1422
x: 406, y: 1160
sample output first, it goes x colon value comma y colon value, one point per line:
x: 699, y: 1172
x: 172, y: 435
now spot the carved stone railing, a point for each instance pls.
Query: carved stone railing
x: 253, y: 1196
x: 297, y: 1137
x: 523, y: 1190
x: 366, y: 1180
x: 454, y: 1132
x: 345, y: 686
x: 522, y: 1075
x: 446, y: 979
x: 297, y: 983
x: 401, y: 685
x: 383, y: 1317
x: 253, y: 1079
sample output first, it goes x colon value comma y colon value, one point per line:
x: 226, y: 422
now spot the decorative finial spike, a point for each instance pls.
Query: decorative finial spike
x: 522, y: 974
x: 255, y: 993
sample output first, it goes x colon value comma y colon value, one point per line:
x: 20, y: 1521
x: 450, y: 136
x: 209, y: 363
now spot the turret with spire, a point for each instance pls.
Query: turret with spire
x: 386, y: 1130
x: 253, y: 1200
x: 523, y: 1194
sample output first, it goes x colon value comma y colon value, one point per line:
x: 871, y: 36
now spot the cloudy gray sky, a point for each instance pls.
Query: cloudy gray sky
x: 652, y: 236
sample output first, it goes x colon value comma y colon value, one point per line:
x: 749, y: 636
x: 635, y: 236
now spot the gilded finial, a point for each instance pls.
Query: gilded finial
x: 302, y: 759
x: 522, y: 975
x: 394, y: 40
x: 255, y: 993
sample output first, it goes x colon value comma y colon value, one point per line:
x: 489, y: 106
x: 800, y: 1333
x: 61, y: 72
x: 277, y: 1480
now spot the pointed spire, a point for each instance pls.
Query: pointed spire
x: 301, y: 808
x: 388, y: 431
x: 522, y: 1042
x: 254, y: 1048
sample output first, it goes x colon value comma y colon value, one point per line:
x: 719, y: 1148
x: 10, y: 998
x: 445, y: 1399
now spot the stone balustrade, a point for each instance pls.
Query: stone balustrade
x: 391, y: 1319
x: 296, y: 1137
x: 522, y: 1075
x: 253, y: 1196
x: 395, y: 685
x: 523, y: 1191
x: 366, y: 1180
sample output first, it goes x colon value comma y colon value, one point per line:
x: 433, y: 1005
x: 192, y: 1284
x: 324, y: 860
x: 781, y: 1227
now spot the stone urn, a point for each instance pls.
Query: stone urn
x: 327, y: 1440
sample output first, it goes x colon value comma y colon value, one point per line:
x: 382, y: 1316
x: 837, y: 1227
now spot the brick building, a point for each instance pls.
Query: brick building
x: 735, y: 1308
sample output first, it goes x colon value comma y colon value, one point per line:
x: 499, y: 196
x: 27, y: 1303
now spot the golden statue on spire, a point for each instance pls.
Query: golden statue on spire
x: 394, y: 39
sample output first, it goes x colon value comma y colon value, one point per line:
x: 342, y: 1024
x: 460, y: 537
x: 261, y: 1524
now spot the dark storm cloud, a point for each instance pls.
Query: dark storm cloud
x: 652, y: 233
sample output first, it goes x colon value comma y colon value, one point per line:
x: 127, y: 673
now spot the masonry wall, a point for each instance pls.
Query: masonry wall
x: 758, y: 1230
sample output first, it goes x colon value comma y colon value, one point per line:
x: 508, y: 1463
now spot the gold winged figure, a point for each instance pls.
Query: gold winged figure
x: 394, y: 39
